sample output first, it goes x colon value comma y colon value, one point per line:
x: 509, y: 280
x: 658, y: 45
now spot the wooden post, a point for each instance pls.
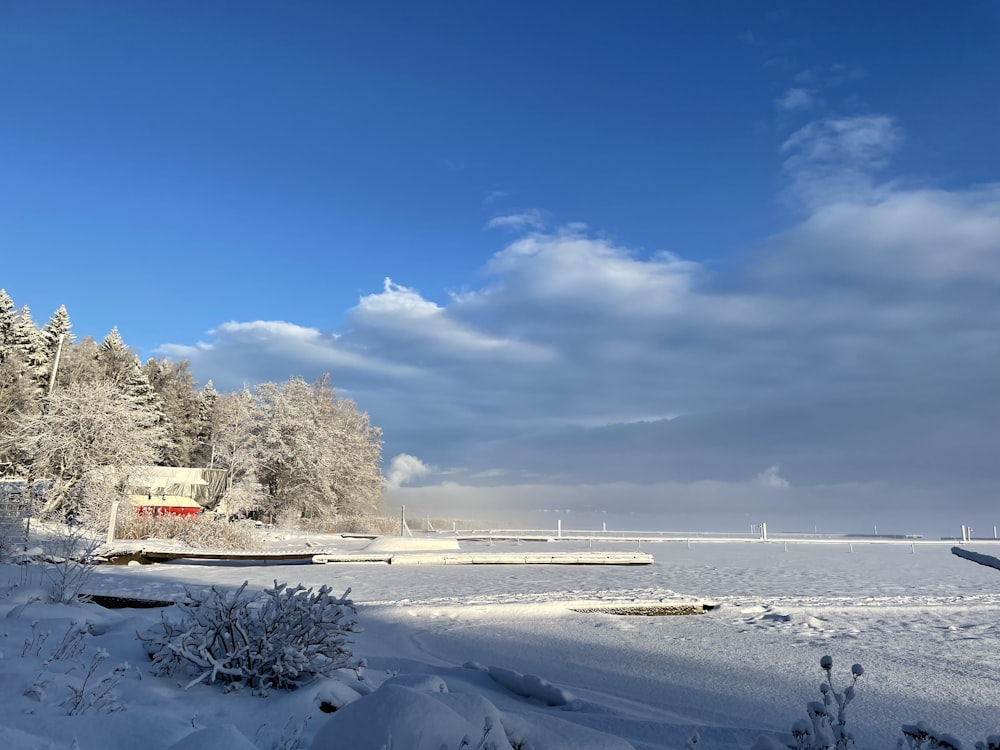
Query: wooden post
x: 113, y: 522
x: 55, y: 363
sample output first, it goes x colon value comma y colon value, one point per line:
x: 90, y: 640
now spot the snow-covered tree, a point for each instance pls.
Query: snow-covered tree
x: 8, y: 319
x: 18, y: 397
x: 29, y: 344
x: 320, y: 456
x: 234, y: 448
x: 19, y: 391
x: 58, y: 337
x: 115, y: 357
x: 204, y: 454
x: 137, y: 388
x: 181, y: 403
x: 86, y: 439
x: 80, y: 363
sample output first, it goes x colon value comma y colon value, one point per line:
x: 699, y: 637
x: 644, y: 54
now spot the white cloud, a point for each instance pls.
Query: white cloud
x: 829, y: 76
x: 531, y: 219
x: 919, y: 239
x: 859, y: 345
x: 403, y: 469
x: 795, y: 99
x: 771, y: 477
x: 495, y: 195
x: 837, y: 159
x: 426, y: 329
x: 593, y: 276
x: 273, y: 342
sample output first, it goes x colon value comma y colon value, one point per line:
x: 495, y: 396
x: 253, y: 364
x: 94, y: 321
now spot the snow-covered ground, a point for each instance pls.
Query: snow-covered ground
x: 461, y: 646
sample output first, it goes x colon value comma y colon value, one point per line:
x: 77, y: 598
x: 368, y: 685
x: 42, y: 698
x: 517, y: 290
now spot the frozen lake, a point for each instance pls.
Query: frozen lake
x: 922, y: 622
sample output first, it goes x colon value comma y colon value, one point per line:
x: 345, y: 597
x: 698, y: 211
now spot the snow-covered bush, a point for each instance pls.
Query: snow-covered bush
x: 279, y: 638
x: 826, y: 727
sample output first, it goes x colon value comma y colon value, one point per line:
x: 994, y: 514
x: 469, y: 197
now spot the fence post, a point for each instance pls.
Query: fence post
x: 113, y: 522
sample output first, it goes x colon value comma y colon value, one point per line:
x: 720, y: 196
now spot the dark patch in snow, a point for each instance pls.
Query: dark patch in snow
x: 647, y: 610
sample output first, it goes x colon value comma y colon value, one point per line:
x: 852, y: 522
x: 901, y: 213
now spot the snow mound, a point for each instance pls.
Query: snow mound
x: 399, y: 716
x: 425, y: 714
x: 552, y: 733
x: 222, y: 737
x: 411, y: 544
x: 532, y: 686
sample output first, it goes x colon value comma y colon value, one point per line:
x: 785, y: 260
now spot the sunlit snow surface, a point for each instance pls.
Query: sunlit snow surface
x: 922, y: 622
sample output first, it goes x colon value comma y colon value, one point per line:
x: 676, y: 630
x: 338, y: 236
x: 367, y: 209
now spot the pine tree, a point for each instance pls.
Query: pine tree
x: 208, y: 401
x: 137, y: 389
x: 18, y: 391
x: 29, y: 346
x: 19, y: 396
x: 115, y: 357
x: 8, y: 321
x: 58, y: 338
x: 181, y: 404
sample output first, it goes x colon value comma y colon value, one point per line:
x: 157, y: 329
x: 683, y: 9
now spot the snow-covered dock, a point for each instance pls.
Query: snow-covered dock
x: 399, y: 557
x: 499, y: 558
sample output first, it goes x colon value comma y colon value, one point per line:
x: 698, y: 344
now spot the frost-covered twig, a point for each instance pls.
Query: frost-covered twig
x: 97, y: 698
x: 33, y: 645
x: 70, y: 646
x: 826, y: 728
x: 70, y: 564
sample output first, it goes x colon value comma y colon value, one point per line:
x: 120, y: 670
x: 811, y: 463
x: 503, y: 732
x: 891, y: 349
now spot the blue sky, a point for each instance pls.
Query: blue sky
x: 725, y: 257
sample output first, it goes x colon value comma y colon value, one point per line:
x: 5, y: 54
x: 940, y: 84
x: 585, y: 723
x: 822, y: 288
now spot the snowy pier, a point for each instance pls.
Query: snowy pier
x: 387, y: 556
x: 500, y: 558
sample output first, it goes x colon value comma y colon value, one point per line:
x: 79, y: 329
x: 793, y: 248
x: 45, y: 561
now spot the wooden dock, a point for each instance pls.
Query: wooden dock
x: 390, y: 558
x: 504, y: 558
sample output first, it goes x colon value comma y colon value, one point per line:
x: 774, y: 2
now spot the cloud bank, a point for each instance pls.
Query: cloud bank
x: 857, y: 348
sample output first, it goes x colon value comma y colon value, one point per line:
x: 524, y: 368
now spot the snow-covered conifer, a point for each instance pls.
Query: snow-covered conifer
x: 115, y: 357
x: 8, y: 318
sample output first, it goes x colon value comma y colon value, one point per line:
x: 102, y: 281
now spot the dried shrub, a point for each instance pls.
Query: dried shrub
x: 363, y: 524
x: 204, y: 531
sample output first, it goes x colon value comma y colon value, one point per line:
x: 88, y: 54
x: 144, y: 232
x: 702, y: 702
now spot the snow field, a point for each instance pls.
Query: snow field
x: 501, y: 644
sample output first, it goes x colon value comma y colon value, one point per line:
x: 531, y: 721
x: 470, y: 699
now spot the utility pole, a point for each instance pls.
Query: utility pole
x: 55, y: 364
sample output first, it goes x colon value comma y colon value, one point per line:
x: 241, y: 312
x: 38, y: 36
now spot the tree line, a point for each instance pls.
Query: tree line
x: 83, y: 415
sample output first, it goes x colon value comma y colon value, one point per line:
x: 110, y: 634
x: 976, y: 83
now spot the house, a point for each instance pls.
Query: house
x: 173, y: 490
